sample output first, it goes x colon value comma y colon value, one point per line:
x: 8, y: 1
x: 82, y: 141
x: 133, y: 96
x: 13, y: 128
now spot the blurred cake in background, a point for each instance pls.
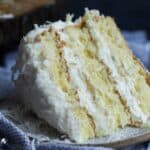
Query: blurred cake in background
x: 17, y: 17
x: 10, y: 8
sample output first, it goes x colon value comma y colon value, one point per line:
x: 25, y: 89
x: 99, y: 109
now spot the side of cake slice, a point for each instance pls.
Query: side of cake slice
x: 82, y: 78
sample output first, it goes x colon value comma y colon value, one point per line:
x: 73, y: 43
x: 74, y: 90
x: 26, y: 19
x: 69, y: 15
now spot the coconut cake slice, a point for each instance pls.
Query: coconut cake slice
x: 81, y: 77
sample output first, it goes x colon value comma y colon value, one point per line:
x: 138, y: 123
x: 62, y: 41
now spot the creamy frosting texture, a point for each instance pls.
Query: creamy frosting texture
x: 79, y: 79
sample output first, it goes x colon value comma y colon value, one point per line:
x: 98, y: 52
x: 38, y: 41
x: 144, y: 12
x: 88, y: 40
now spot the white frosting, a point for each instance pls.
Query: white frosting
x: 49, y: 101
x: 54, y: 108
x: 49, y: 94
x: 125, y: 88
x: 76, y: 71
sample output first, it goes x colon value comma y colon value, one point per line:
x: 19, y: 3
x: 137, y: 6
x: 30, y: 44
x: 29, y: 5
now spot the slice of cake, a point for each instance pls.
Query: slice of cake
x: 82, y: 78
